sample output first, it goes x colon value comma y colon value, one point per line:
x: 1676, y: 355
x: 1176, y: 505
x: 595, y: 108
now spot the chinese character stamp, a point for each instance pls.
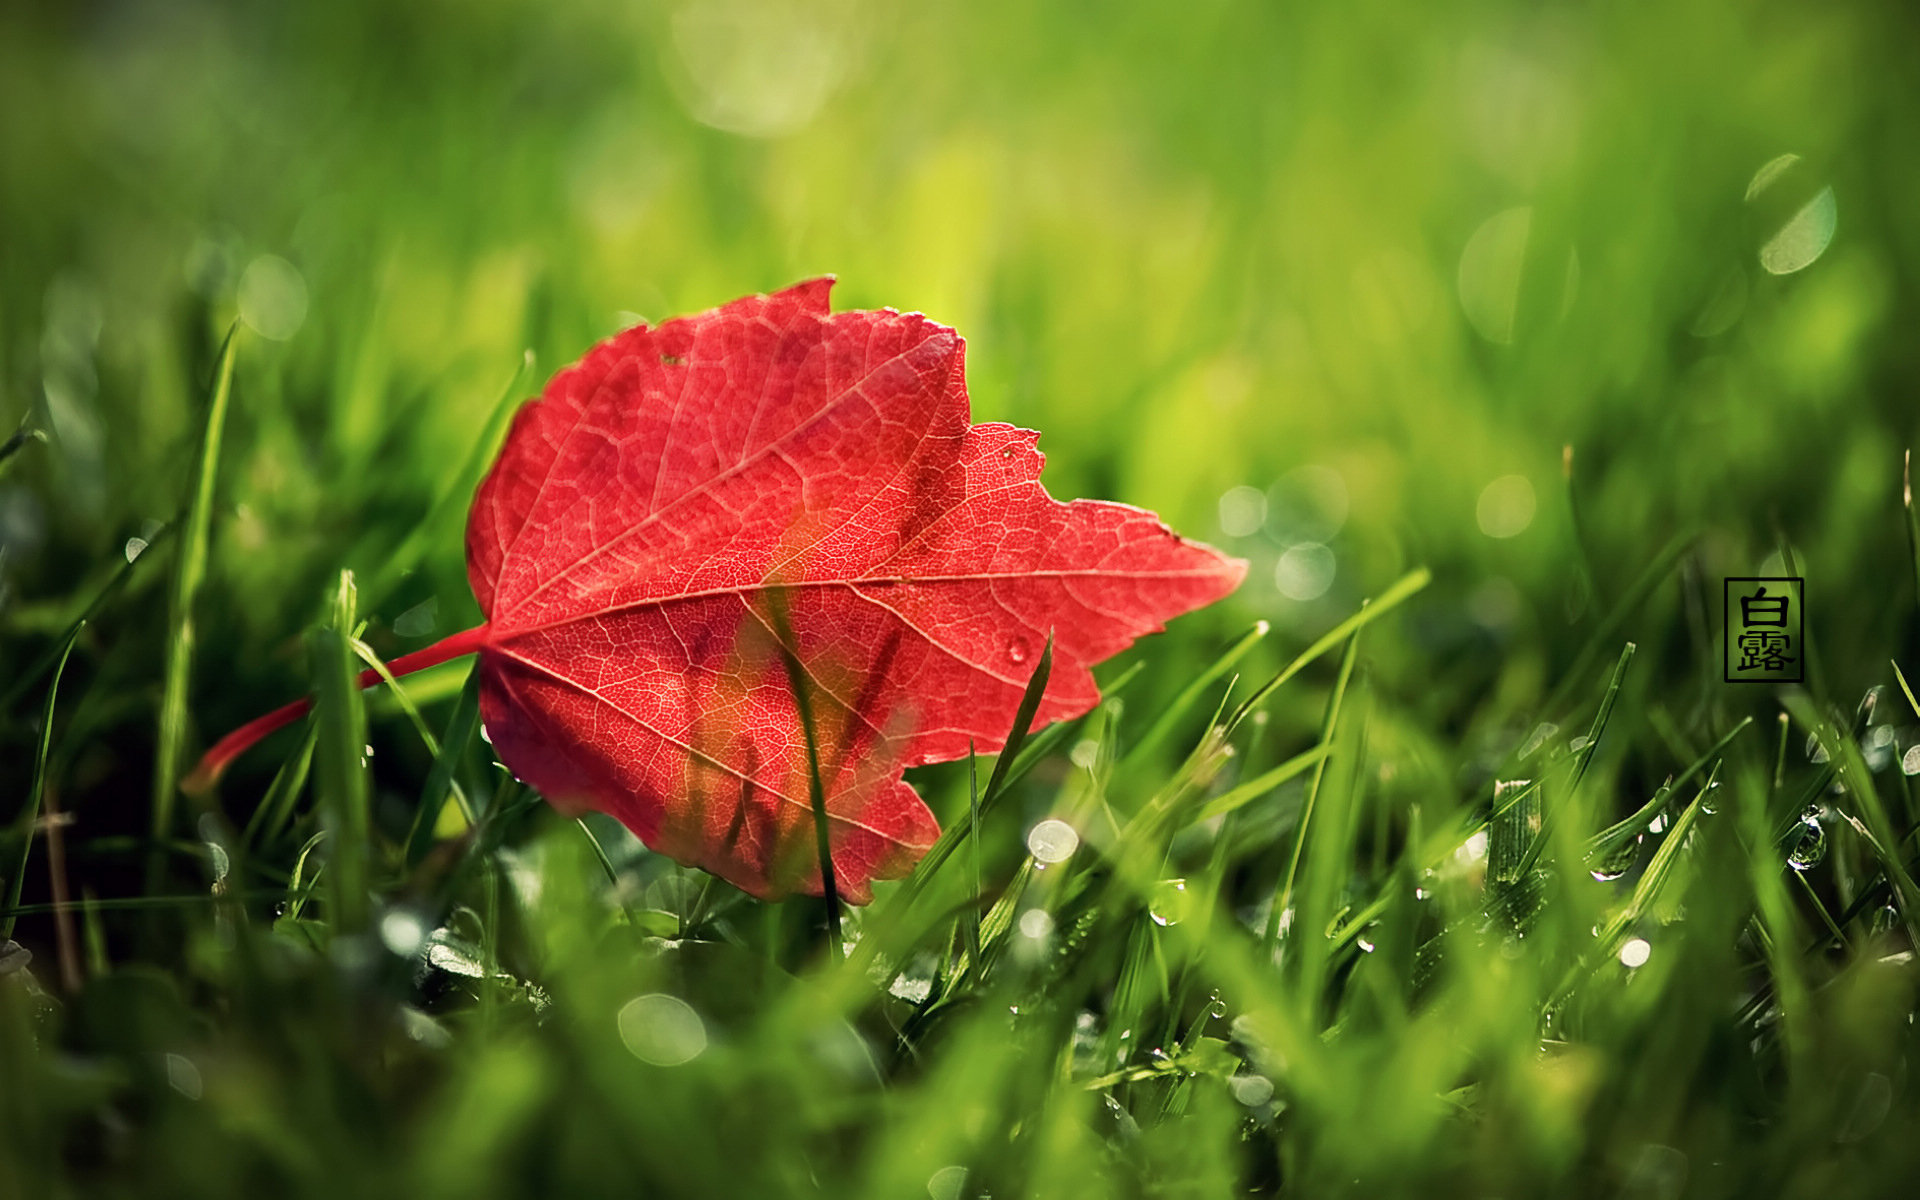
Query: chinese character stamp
x: 1765, y: 622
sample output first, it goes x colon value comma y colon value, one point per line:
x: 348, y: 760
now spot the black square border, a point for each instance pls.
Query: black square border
x: 1726, y: 625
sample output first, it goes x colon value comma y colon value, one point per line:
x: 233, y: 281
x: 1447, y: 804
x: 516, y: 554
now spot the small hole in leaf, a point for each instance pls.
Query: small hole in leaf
x: 671, y: 360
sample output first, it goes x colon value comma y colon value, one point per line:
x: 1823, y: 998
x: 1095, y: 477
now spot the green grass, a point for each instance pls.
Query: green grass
x: 1464, y: 875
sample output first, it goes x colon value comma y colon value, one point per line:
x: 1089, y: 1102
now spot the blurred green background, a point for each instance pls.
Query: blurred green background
x: 1543, y: 297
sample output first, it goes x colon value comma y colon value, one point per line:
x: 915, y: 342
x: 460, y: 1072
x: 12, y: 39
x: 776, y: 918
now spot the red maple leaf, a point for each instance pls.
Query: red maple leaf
x: 697, y: 515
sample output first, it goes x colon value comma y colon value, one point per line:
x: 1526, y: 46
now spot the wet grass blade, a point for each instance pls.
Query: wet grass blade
x: 1844, y: 753
x: 30, y: 816
x: 189, y: 571
x: 1535, y: 793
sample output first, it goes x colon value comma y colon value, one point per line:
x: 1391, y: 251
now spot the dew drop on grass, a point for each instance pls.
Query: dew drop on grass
x: 1805, y: 236
x: 947, y: 1183
x: 1910, y: 761
x: 1810, y: 846
x: 183, y: 1076
x: 1816, y: 753
x: 1506, y: 507
x: 1305, y: 571
x: 1611, y: 866
x: 1490, y: 270
x: 662, y: 1030
x: 1251, y: 1090
x: 1169, y: 904
x: 1052, y: 841
x: 1635, y: 953
x: 419, y: 620
x: 273, y: 298
x: 134, y: 547
x: 448, y: 953
x: 403, y: 932
x: 1243, y: 510
x: 1035, y: 923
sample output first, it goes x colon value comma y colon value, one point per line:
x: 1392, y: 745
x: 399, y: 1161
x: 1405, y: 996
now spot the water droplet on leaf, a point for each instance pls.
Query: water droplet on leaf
x: 1170, y: 903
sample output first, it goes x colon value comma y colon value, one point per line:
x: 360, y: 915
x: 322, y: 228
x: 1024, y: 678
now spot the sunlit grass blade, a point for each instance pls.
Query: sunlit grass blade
x: 1395, y: 595
x: 1329, y: 723
x: 30, y: 815
x: 1169, y: 719
x: 951, y: 837
x: 340, y: 771
x: 1315, y: 892
x: 1039, y: 745
x: 1905, y: 688
x: 189, y: 570
x: 1238, y: 796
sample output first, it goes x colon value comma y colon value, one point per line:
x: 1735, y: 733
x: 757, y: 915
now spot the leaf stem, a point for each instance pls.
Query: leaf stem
x: 214, y: 763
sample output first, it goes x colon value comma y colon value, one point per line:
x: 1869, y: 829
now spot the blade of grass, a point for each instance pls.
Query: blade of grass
x: 31, y: 814
x: 1844, y: 752
x: 951, y: 837
x: 1657, y: 571
x: 799, y: 685
x: 16, y: 442
x: 1242, y: 794
x: 1372, y: 610
x: 189, y: 571
x: 1039, y: 745
x: 1169, y: 719
x: 1329, y: 722
x: 972, y: 920
x: 270, y: 815
x: 461, y: 727
x: 340, y: 773
x: 1581, y: 760
x: 458, y: 492
x: 1913, y: 524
